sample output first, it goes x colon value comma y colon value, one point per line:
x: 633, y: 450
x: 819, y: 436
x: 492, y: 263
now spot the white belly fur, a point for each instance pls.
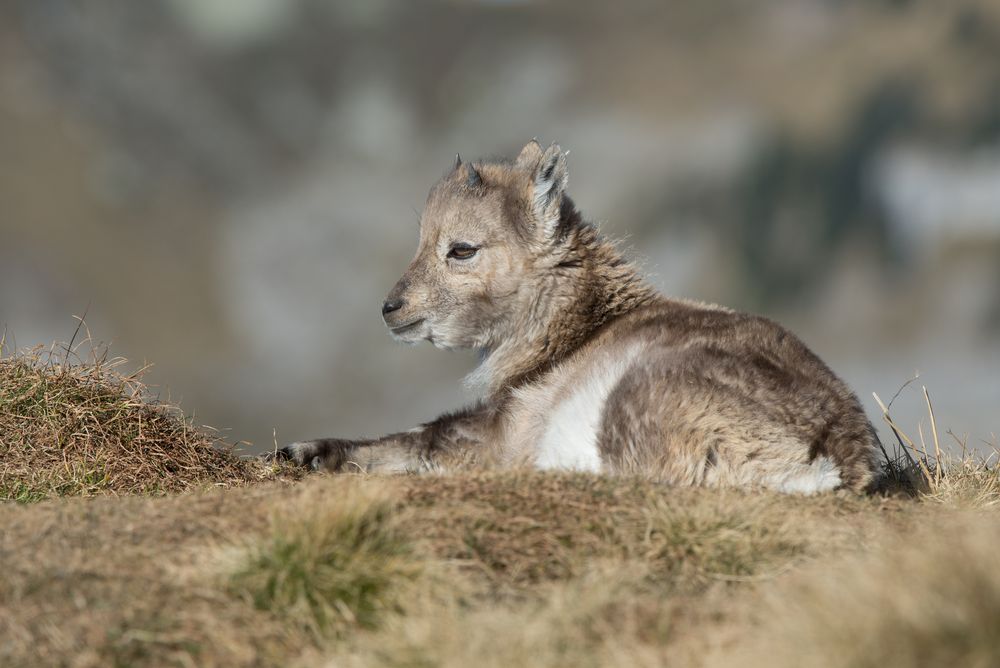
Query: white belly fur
x: 570, y: 437
x: 821, y: 475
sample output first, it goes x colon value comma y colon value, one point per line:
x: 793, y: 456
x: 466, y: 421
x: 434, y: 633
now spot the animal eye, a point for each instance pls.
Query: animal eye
x: 462, y: 251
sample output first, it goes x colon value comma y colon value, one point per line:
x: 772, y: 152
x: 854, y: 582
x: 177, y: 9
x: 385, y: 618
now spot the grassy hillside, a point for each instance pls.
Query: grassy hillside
x: 489, y: 569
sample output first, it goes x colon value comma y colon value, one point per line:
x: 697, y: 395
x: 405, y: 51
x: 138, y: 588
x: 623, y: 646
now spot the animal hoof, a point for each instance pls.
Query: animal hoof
x: 303, y: 453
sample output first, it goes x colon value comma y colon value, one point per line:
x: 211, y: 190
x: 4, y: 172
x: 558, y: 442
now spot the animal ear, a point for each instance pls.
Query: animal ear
x: 529, y: 155
x: 550, y: 178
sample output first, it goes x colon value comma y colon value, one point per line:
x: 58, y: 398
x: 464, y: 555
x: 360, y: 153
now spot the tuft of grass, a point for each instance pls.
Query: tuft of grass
x: 329, y: 566
x: 928, y: 469
x: 73, y: 427
x: 969, y: 483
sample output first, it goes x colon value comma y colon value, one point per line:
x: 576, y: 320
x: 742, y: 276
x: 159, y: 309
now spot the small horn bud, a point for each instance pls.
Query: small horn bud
x: 473, y: 179
x: 458, y: 160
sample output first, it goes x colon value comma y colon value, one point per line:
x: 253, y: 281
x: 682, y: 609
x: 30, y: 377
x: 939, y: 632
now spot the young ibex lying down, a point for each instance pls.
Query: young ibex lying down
x: 585, y: 367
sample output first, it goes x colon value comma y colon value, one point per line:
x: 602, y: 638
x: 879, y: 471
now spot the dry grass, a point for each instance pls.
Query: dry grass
x: 933, y: 471
x: 75, y: 428
x: 382, y: 569
x: 130, y: 581
x: 930, y: 598
x: 583, y: 570
x: 486, y: 569
x: 514, y: 531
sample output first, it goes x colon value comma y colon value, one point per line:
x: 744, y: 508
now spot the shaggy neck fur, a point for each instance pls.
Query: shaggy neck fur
x: 583, y: 282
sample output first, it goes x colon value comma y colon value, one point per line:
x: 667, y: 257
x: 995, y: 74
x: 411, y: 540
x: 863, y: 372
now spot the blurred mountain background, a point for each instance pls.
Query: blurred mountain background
x: 230, y: 188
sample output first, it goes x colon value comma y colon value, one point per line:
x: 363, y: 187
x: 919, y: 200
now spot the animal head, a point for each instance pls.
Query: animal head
x: 488, y: 234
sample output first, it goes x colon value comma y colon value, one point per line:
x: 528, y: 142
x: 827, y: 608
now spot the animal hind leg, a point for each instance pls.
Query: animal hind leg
x: 681, y: 429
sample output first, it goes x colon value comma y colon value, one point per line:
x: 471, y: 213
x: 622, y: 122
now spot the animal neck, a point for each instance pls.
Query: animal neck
x: 584, y: 284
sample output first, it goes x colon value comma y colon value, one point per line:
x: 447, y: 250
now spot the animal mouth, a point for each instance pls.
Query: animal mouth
x: 402, y: 329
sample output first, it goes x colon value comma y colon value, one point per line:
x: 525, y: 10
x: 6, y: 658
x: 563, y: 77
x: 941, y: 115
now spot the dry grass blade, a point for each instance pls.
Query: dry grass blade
x: 934, y: 432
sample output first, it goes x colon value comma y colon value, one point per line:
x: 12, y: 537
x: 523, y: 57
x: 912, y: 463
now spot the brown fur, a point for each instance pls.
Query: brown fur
x: 584, y: 365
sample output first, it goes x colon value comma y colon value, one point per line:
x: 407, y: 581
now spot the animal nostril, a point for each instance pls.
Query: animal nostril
x: 391, y: 305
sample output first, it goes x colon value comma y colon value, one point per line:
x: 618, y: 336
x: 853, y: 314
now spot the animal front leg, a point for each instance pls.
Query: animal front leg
x: 399, y: 453
x: 452, y: 441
